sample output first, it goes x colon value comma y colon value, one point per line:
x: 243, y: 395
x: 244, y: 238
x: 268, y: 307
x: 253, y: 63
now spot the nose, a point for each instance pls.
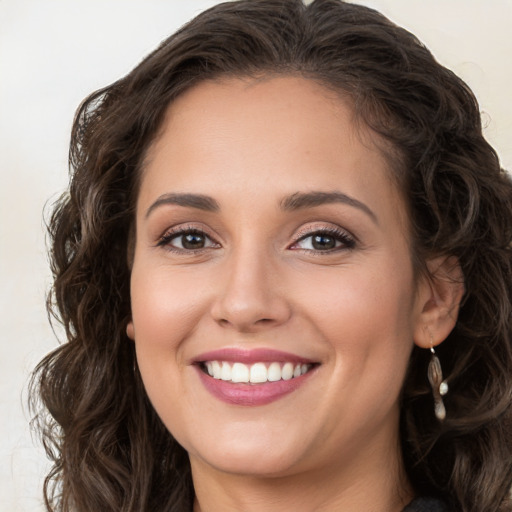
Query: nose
x: 251, y: 297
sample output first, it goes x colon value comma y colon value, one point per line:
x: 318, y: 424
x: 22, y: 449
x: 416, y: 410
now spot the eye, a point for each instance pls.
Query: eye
x: 187, y: 240
x: 326, y: 240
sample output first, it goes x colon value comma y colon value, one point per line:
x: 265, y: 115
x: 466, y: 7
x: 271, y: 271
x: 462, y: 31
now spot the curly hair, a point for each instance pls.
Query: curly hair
x: 110, y: 450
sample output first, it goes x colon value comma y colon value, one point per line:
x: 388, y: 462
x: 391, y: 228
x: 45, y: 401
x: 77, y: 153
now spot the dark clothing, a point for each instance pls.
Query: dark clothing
x: 425, y: 505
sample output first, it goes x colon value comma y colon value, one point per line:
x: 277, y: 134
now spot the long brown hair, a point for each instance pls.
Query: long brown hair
x: 110, y: 450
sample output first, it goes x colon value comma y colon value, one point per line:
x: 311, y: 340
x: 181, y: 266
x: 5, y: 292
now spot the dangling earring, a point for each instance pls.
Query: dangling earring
x: 439, y: 386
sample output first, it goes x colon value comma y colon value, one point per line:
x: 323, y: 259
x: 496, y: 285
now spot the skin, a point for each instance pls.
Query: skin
x: 258, y: 282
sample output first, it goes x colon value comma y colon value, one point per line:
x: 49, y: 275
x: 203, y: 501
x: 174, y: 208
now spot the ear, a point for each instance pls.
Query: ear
x: 439, y: 296
x: 130, y: 331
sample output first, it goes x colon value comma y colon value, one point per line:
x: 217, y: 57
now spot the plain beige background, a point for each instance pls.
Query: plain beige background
x: 52, y: 54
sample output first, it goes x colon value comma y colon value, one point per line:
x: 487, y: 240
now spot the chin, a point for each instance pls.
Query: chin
x: 266, y: 463
x: 250, y: 455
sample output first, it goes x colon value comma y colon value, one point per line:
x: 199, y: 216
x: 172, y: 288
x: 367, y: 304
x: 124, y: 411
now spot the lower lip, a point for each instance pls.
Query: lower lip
x: 251, y: 394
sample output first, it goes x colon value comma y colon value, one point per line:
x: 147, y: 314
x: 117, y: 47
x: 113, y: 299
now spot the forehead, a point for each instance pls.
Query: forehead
x: 261, y: 106
x: 279, y: 133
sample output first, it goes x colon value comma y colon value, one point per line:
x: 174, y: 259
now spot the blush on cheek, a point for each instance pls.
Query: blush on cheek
x: 163, y: 311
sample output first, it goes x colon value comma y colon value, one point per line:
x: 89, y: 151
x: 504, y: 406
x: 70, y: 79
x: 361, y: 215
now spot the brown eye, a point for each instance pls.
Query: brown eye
x: 323, y: 242
x: 192, y: 241
x: 187, y: 240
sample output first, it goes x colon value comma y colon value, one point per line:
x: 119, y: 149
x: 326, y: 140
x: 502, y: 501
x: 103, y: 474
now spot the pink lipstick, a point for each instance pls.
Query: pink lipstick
x: 252, y: 377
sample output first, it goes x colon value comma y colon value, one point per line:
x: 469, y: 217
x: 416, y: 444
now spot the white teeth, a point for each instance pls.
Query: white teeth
x: 287, y: 371
x: 274, y: 372
x: 239, y: 373
x: 225, y: 372
x: 216, y: 369
x: 256, y: 373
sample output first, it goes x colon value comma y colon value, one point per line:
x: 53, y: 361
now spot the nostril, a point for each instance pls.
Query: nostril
x: 248, y: 311
x: 247, y: 325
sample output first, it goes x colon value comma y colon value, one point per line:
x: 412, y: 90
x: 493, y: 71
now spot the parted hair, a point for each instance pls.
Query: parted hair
x: 109, y: 449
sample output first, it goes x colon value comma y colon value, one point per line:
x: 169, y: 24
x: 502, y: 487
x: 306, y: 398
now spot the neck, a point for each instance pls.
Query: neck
x: 372, y: 480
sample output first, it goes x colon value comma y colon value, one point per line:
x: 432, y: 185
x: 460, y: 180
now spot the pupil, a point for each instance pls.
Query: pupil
x: 192, y: 241
x: 323, y: 242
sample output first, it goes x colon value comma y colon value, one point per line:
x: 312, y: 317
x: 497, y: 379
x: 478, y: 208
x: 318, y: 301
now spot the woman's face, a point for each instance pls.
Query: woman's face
x: 272, y: 247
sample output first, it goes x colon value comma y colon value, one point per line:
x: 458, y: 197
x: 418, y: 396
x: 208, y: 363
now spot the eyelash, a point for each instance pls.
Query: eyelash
x: 345, y: 240
x: 168, y: 237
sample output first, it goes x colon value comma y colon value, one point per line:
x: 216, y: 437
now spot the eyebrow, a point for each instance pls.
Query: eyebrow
x: 199, y: 201
x: 297, y: 201
x: 301, y: 200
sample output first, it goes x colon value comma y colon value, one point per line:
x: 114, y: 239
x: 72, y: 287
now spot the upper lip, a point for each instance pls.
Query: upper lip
x: 250, y: 356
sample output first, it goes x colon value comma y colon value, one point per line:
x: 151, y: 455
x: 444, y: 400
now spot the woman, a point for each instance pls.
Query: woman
x: 283, y: 266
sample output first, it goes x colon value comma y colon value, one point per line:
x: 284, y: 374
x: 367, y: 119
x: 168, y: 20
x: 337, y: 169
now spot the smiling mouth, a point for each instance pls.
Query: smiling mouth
x: 256, y: 373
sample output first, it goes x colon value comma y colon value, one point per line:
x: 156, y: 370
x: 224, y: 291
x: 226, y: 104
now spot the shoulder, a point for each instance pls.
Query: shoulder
x: 426, y: 505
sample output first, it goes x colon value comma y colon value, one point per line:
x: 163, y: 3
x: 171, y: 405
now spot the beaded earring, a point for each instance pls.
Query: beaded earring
x: 439, y: 386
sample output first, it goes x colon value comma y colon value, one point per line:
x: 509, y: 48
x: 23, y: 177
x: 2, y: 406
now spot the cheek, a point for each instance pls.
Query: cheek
x: 367, y: 320
x: 360, y: 300
x: 164, y: 306
x: 165, y: 314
